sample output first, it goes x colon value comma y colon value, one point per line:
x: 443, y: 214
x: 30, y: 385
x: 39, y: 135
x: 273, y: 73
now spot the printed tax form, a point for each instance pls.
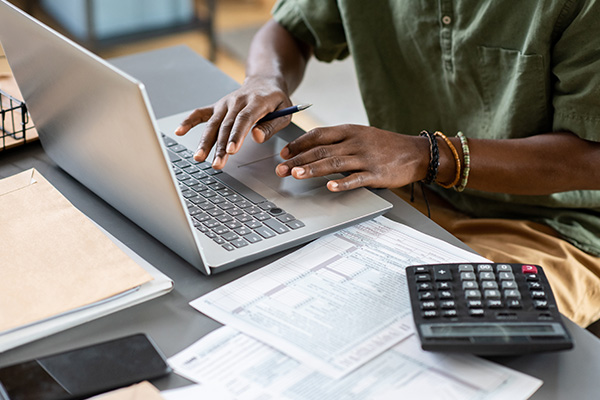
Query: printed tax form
x: 336, y: 303
x: 247, y: 369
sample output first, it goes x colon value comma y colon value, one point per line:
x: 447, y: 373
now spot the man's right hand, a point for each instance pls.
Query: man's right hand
x: 230, y: 119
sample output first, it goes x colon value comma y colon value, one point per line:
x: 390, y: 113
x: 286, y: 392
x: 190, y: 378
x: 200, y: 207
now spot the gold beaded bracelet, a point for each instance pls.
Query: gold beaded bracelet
x: 466, y: 162
x: 456, y: 161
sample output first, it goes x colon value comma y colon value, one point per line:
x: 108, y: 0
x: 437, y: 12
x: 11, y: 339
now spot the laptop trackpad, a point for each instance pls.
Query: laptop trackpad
x: 264, y: 171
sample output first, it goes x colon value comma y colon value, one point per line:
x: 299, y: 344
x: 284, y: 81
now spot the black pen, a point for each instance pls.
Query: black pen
x: 283, y: 111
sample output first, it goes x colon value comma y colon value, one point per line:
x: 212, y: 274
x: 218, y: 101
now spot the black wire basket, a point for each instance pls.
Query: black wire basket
x: 14, y: 121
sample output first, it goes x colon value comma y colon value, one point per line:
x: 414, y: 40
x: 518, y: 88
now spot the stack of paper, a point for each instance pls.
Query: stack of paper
x: 333, y: 321
x: 59, y: 269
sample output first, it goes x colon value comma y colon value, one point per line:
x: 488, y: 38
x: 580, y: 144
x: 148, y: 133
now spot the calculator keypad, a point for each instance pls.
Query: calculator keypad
x: 478, y: 290
x: 485, y: 308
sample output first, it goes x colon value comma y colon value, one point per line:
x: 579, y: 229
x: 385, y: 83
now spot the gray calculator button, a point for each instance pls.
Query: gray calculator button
x: 485, y: 268
x: 448, y: 304
x: 445, y: 294
x: 472, y: 294
x: 467, y: 276
x: 428, y: 305
x: 449, y: 313
x: 512, y: 294
x: 509, y: 285
x: 506, y: 276
x: 470, y: 285
x: 474, y: 304
x: 494, y: 303
x: 503, y: 268
x: 538, y: 294
x: 486, y: 276
x: 465, y: 268
x: 540, y: 304
x: 442, y: 274
x: 429, y: 314
x: 492, y: 294
x: 489, y: 285
x: 426, y: 296
x: 477, y: 312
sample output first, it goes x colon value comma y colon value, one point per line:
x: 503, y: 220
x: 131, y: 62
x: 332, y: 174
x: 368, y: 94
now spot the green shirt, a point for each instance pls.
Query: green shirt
x: 491, y: 69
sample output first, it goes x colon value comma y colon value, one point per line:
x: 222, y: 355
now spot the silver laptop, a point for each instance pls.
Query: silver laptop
x: 97, y: 124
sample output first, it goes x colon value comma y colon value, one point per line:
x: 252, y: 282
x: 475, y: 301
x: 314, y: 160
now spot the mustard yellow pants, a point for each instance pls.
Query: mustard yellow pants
x: 573, y: 274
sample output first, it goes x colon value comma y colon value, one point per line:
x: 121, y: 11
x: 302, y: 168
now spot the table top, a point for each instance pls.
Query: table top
x: 177, y: 79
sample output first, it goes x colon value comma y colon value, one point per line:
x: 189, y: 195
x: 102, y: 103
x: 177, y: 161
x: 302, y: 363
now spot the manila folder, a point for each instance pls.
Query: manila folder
x: 54, y: 259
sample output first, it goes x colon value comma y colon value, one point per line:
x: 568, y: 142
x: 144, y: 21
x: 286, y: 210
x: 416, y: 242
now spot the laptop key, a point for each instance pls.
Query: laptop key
x: 228, y: 247
x: 239, y: 243
x: 286, y: 218
x: 295, y: 224
x: 265, y: 232
x: 168, y: 141
x: 252, y: 237
x: 178, y: 148
x: 276, y: 226
x: 229, y: 236
x: 241, y: 188
x: 172, y: 156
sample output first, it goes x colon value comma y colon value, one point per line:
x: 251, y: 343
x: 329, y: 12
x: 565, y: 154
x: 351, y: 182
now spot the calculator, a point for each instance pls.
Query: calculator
x: 485, y: 309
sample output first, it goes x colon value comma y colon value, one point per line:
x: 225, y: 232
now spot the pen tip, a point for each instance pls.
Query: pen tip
x: 304, y: 106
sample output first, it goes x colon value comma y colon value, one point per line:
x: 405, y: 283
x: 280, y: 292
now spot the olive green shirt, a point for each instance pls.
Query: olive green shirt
x: 491, y: 69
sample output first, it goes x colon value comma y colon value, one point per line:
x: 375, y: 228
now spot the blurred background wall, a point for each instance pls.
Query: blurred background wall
x: 220, y: 30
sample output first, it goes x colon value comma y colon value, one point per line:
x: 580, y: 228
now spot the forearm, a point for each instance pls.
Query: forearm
x: 276, y: 54
x: 537, y: 165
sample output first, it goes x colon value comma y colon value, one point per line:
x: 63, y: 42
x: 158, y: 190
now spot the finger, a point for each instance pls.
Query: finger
x: 197, y: 116
x: 220, y: 158
x: 356, y: 180
x: 327, y: 166
x: 266, y: 130
x: 244, y: 121
x: 209, y: 136
x: 311, y: 139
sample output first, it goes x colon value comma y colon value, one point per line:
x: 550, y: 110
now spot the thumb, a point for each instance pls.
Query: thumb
x: 265, y: 130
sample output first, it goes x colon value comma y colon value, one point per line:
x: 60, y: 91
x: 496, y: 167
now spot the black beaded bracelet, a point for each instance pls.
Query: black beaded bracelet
x: 434, y: 158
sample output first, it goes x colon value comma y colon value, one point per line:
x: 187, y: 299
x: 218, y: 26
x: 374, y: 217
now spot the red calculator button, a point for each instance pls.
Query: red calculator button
x: 529, y: 269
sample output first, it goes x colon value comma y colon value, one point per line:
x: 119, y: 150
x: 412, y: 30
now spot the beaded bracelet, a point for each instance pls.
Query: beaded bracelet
x: 434, y: 158
x: 456, y: 161
x: 466, y: 162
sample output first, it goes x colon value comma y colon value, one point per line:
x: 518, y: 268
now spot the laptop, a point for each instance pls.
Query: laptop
x: 97, y: 124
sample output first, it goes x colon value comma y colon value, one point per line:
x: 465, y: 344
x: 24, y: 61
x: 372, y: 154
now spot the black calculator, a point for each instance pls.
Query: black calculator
x: 485, y: 309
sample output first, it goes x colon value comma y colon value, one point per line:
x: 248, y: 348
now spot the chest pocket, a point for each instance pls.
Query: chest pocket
x: 515, y: 93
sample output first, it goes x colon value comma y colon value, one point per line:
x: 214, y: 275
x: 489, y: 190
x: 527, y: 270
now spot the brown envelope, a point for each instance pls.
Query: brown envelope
x: 140, y: 391
x: 53, y: 259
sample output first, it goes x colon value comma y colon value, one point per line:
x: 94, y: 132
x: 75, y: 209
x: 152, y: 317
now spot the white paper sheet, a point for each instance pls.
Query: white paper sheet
x: 249, y: 370
x: 337, y: 302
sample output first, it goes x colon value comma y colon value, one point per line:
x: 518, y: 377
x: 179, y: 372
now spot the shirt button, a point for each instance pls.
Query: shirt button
x: 446, y: 20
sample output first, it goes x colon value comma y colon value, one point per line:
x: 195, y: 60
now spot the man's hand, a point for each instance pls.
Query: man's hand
x: 369, y: 156
x: 229, y: 120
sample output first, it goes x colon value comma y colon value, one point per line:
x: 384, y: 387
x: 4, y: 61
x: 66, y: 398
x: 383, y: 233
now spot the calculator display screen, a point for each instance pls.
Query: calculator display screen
x: 491, y: 329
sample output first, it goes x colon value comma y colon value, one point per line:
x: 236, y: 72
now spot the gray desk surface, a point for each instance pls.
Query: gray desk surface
x: 178, y: 80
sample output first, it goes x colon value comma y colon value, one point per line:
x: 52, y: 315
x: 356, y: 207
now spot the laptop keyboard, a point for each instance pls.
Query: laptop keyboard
x: 223, y: 208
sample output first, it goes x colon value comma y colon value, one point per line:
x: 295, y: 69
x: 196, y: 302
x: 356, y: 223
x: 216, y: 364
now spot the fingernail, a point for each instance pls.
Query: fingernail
x: 230, y: 147
x: 333, y: 185
x: 199, y: 156
x: 217, y: 161
x: 285, y: 153
x: 282, y: 170
x: 180, y: 130
x: 299, y: 171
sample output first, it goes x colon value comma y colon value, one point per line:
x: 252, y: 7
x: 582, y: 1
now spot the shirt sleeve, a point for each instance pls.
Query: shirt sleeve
x: 576, y: 67
x: 316, y: 22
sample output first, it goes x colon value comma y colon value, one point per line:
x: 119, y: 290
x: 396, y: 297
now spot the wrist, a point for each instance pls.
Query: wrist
x: 449, y: 168
x: 276, y: 81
